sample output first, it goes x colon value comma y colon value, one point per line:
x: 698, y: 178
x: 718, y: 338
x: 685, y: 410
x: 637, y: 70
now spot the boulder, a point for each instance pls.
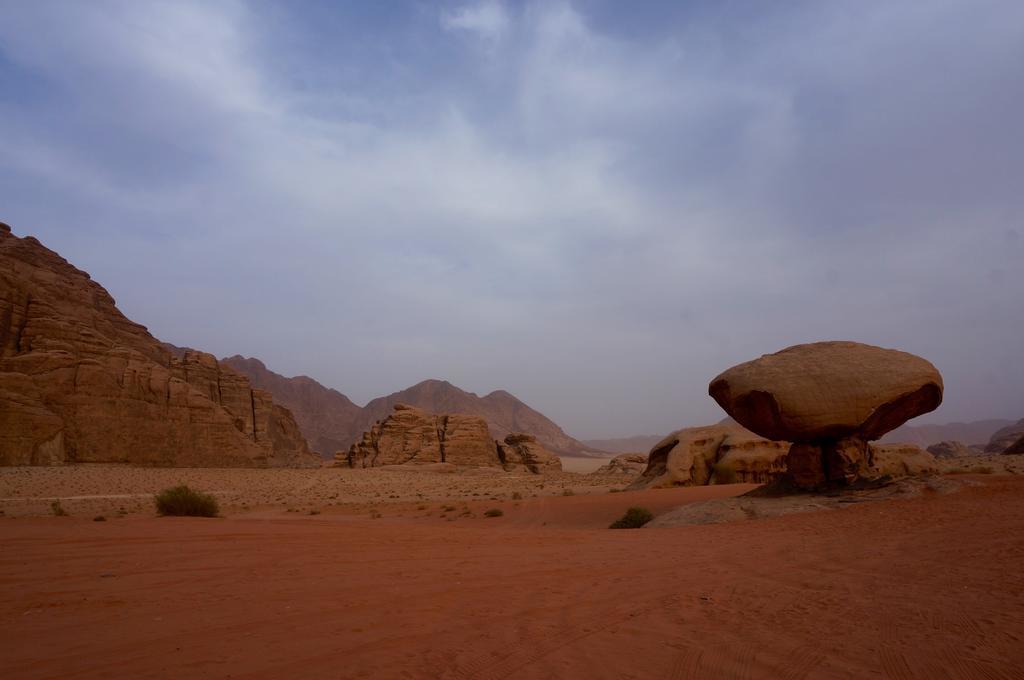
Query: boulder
x: 523, y: 451
x: 1005, y: 437
x: 79, y: 382
x: 829, y: 399
x: 624, y: 464
x: 713, y: 454
x: 902, y: 460
x: 950, y: 449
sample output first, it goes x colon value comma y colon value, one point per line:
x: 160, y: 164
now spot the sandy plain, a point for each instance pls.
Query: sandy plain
x: 378, y: 586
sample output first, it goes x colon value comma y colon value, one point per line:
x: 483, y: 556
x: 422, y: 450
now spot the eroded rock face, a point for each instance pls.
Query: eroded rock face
x: 1015, y: 448
x: 901, y: 460
x: 79, y: 382
x: 1005, y: 437
x: 714, y: 454
x: 412, y: 436
x: 830, y: 399
x: 523, y: 451
x: 624, y: 464
x: 950, y: 449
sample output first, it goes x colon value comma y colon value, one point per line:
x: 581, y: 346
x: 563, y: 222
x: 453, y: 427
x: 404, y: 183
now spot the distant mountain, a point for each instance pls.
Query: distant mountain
x: 332, y: 422
x: 641, y: 443
x: 328, y: 419
x: 974, y: 432
x: 503, y: 412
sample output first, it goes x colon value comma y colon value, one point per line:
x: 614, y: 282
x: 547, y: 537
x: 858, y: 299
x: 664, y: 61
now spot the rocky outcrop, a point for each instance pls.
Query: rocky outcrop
x: 412, y: 436
x: 950, y: 449
x: 1016, y: 448
x: 331, y: 421
x: 504, y: 413
x: 624, y: 464
x: 830, y: 399
x: 902, y: 460
x: 328, y: 419
x: 523, y: 451
x: 1005, y: 437
x: 716, y: 454
x: 79, y: 382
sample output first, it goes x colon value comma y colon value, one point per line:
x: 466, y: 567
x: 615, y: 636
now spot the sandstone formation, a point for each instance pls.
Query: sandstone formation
x: 80, y: 383
x: 901, y: 460
x: 411, y: 435
x: 950, y: 449
x: 1005, y: 437
x: 624, y: 464
x: 331, y: 422
x: 1016, y: 448
x: 328, y: 419
x: 523, y: 451
x: 715, y: 454
x: 504, y: 413
x: 829, y: 399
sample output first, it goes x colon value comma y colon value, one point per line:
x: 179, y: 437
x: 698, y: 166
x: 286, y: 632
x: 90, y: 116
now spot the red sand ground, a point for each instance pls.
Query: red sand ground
x: 926, y: 588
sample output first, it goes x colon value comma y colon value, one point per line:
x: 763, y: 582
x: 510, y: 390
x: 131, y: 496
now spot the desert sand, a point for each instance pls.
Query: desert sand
x: 927, y: 587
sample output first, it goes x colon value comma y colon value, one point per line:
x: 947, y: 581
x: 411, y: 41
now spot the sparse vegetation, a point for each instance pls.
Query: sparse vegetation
x: 58, y: 509
x: 494, y: 512
x: 99, y: 518
x: 633, y: 519
x: 182, y: 501
x: 516, y: 496
x: 568, y: 492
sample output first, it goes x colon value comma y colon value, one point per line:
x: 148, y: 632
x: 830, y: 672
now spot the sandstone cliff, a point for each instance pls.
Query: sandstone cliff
x: 331, y: 421
x: 79, y: 382
x: 412, y: 436
x: 328, y: 419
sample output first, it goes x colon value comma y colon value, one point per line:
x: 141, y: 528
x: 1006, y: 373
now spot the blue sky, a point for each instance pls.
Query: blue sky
x: 596, y: 206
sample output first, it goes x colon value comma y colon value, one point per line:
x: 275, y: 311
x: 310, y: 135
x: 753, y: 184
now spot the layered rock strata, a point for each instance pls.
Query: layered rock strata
x: 412, y: 436
x: 81, y: 383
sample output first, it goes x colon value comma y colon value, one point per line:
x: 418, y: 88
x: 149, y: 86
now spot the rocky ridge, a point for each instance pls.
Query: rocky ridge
x: 81, y: 383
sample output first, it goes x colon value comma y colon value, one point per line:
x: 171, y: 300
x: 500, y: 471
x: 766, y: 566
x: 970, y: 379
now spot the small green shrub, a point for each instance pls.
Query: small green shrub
x: 181, y: 501
x: 494, y: 512
x: 633, y: 519
x: 58, y: 509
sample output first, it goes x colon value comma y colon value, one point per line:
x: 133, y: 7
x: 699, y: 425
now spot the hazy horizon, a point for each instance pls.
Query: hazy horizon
x: 594, y: 206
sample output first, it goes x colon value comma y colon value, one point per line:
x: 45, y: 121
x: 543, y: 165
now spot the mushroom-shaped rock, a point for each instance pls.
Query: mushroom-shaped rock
x: 830, y: 399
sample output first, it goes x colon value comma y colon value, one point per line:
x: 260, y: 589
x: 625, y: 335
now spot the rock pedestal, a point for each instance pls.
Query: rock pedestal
x: 830, y: 399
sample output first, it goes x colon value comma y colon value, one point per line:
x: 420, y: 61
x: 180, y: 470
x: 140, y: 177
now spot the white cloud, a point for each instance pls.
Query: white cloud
x: 594, y: 222
x: 488, y: 19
